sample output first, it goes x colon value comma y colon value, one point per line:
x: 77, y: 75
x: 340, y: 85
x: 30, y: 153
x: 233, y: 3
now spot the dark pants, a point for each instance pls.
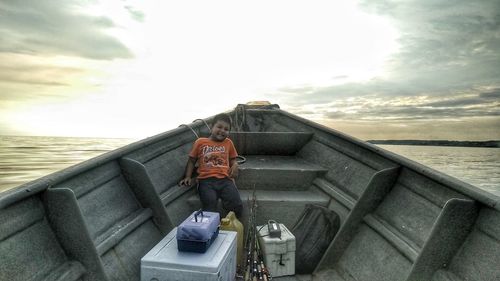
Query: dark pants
x: 211, y: 189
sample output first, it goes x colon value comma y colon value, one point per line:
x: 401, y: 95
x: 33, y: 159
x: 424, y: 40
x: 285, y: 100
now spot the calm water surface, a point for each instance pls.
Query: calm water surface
x: 478, y: 166
x: 23, y: 159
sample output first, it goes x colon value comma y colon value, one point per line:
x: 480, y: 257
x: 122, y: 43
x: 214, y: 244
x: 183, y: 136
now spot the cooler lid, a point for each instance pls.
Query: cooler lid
x: 166, y: 255
x: 286, y: 242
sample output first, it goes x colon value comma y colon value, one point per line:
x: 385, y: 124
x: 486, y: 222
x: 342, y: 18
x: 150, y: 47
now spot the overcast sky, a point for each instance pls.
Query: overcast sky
x: 375, y: 69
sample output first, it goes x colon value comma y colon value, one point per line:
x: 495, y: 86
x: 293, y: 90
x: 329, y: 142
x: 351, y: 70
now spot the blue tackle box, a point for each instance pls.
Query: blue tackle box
x: 198, y: 231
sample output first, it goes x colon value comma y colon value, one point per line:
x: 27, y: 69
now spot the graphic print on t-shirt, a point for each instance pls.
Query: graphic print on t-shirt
x: 214, y: 156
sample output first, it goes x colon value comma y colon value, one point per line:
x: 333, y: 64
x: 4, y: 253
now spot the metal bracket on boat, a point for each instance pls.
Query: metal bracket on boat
x: 202, y: 120
x: 192, y: 130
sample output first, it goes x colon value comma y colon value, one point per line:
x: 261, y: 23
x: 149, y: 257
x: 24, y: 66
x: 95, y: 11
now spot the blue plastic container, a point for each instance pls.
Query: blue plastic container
x: 198, y: 231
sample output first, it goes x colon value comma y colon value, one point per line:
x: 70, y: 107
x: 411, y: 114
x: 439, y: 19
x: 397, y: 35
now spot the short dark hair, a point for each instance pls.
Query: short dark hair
x: 222, y: 117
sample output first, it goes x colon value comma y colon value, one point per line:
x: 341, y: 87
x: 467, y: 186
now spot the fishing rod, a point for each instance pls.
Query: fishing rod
x: 248, y: 246
x: 254, y: 236
x: 265, y: 271
x: 256, y: 270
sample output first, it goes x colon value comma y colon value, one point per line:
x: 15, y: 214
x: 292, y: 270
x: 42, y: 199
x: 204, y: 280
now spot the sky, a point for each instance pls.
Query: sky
x: 374, y: 69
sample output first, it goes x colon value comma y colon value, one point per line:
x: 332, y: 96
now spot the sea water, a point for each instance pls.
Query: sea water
x: 479, y: 166
x: 23, y: 159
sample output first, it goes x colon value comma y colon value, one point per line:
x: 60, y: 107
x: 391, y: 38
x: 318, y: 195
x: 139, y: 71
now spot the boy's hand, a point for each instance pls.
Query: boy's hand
x: 185, y: 181
x: 233, y: 171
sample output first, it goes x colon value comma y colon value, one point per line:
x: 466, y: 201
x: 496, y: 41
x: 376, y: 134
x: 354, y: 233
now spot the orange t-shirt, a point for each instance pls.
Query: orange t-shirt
x: 213, y: 157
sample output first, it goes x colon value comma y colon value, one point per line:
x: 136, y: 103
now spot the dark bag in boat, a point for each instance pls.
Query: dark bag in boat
x: 198, y: 231
x: 314, y: 231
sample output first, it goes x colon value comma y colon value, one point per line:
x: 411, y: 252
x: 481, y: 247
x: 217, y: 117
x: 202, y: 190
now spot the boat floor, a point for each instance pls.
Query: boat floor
x: 302, y: 277
x: 298, y: 277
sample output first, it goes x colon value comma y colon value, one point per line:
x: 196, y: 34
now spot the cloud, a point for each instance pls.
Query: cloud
x: 447, y: 66
x: 456, y: 102
x: 135, y: 13
x: 480, y: 129
x: 56, y: 28
x: 335, y: 114
x: 429, y: 113
x: 377, y: 86
x: 29, y: 78
x: 493, y: 94
x: 473, y: 103
x: 45, y: 75
x: 442, y: 36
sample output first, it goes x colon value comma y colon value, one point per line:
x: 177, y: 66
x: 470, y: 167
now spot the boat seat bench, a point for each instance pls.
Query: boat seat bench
x: 113, y: 219
x: 396, y: 232
x: 478, y: 257
x: 277, y: 172
x: 283, y: 206
x: 28, y: 240
x: 283, y: 187
x: 276, y: 143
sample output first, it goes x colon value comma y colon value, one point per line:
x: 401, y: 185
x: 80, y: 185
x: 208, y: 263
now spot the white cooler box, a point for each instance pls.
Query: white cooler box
x: 166, y: 263
x: 279, y: 253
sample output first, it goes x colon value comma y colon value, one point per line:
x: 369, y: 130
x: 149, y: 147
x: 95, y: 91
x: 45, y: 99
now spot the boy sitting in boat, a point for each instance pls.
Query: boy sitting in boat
x: 217, y: 168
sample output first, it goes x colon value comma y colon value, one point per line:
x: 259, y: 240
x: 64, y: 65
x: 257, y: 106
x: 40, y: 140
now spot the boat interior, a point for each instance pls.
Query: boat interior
x: 399, y: 220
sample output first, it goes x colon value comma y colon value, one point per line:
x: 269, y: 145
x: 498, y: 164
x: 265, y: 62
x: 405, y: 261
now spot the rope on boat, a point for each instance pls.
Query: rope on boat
x: 240, y: 114
x: 240, y: 159
x: 239, y: 110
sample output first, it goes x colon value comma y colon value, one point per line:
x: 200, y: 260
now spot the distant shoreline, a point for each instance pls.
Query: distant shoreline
x: 491, y: 143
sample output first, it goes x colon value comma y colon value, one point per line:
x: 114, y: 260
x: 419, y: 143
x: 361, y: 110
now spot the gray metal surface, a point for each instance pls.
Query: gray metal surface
x: 400, y: 220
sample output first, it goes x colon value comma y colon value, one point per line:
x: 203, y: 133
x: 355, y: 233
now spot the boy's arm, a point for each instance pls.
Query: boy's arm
x: 233, y: 168
x: 188, y: 172
x: 233, y: 165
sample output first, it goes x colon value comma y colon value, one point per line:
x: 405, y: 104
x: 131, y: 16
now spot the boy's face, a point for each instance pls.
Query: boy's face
x: 220, y: 130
